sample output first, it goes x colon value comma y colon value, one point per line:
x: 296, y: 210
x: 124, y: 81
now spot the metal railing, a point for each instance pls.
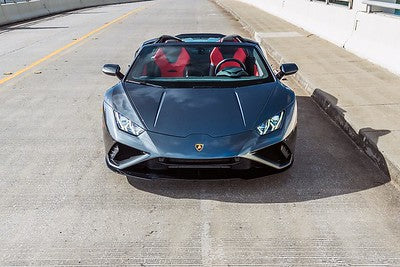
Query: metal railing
x: 371, y: 3
x: 340, y: 2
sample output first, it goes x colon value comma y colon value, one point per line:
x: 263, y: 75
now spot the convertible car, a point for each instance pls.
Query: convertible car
x: 199, y: 101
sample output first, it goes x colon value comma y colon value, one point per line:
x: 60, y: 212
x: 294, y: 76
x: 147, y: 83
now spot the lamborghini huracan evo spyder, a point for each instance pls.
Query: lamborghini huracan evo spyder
x: 199, y: 101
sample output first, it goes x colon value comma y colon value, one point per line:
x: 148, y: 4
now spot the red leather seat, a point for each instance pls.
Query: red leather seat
x: 220, y: 53
x: 172, y: 61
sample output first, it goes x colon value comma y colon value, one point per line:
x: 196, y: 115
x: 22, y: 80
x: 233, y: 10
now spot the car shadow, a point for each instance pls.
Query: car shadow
x: 327, y: 163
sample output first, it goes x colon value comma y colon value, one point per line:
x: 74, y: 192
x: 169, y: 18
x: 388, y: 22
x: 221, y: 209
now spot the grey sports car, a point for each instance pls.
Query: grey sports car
x: 199, y: 101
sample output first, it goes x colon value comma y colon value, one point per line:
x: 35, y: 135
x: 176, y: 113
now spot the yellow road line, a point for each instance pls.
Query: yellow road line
x: 58, y: 51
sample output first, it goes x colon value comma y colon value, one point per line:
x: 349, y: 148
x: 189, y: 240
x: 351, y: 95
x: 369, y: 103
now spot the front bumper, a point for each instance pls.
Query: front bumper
x: 128, y: 155
x: 131, y: 161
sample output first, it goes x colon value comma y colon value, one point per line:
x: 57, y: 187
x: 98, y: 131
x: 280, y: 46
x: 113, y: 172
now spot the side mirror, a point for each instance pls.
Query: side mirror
x: 113, y: 70
x: 287, y: 69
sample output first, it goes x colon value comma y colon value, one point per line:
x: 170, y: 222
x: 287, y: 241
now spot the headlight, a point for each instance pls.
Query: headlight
x: 271, y: 124
x: 127, y: 125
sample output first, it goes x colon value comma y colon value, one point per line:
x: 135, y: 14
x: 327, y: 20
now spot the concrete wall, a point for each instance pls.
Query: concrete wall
x: 10, y: 13
x: 374, y: 36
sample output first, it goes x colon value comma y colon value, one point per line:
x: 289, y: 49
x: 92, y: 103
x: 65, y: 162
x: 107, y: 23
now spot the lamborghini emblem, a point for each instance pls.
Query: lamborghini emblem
x: 199, y: 147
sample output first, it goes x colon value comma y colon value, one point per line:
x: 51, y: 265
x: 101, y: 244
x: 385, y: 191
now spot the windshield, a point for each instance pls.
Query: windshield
x: 183, y: 64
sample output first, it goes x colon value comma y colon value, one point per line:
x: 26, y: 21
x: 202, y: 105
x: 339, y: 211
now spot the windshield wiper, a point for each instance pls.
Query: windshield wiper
x: 144, y: 83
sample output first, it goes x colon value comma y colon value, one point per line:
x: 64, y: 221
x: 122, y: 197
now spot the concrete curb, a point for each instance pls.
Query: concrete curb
x: 329, y: 106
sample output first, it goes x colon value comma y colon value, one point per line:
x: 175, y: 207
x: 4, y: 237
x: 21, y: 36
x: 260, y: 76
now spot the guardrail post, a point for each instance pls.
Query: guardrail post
x: 369, y: 8
x: 350, y: 4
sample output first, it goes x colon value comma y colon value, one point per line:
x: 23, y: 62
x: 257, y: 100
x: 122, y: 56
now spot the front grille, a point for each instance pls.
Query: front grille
x: 199, y: 161
x: 174, y: 163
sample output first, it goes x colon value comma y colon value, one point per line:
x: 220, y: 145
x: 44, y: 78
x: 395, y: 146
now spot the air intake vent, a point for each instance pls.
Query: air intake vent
x: 278, y: 153
x: 120, y: 152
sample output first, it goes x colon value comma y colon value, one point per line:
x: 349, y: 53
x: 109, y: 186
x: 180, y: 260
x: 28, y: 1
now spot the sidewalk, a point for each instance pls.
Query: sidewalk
x: 363, y: 98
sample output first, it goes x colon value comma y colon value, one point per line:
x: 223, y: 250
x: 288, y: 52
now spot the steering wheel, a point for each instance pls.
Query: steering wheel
x: 228, y: 60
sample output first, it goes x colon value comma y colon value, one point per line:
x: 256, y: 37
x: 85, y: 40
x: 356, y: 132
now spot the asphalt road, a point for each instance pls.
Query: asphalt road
x: 60, y: 205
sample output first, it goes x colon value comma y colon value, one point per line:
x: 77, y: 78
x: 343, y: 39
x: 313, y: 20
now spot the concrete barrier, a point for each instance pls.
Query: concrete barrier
x: 375, y: 37
x: 2, y: 17
x: 11, y: 13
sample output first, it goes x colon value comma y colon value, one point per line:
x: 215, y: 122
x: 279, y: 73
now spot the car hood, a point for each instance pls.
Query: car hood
x: 212, y: 111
